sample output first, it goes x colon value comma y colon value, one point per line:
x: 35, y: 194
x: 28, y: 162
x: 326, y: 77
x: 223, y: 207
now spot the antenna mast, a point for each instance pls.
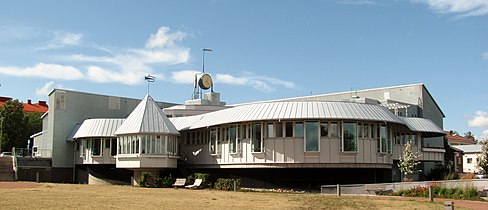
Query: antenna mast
x: 149, y: 78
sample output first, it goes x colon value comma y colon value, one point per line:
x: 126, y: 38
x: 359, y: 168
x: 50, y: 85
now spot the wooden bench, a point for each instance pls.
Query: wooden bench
x: 179, y: 183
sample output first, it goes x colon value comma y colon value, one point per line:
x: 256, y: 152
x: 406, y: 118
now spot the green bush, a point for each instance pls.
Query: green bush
x: 468, y: 193
x: 227, y: 184
x: 146, y: 180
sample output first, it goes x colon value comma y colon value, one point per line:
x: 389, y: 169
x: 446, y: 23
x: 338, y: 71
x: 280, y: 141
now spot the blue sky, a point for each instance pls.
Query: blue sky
x: 262, y: 49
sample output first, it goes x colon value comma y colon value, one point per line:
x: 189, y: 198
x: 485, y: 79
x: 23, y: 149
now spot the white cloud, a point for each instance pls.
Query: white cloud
x: 462, y: 8
x: 261, y: 83
x: 163, y: 38
x: 126, y: 66
x: 184, y: 77
x: 47, y: 88
x: 480, y: 120
x: 62, y: 39
x: 129, y: 66
x: 41, y: 70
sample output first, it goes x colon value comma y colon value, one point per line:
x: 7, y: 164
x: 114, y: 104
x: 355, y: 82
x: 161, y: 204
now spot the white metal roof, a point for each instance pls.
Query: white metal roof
x: 147, y: 117
x: 473, y: 148
x: 303, y: 110
x: 421, y: 125
x: 97, y: 128
x: 290, y: 111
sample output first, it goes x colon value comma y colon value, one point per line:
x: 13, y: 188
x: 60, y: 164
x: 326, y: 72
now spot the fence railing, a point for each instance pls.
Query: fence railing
x: 27, y: 152
x: 397, y: 186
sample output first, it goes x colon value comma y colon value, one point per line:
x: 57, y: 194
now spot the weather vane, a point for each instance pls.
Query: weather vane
x: 149, y: 78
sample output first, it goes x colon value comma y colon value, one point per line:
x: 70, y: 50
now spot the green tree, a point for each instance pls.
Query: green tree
x: 483, y: 158
x: 408, y: 161
x: 12, y: 125
x: 470, y: 136
x: 32, y: 123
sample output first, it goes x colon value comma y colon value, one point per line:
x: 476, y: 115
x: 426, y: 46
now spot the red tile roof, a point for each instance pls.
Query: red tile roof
x: 40, y: 107
x: 453, y: 138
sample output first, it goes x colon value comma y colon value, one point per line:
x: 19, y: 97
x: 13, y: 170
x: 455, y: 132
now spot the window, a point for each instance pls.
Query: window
x: 470, y: 160
x: 96, y: 147
x: 83, y: 148
x: 383, y: 140
x: 233, y: 139
x: 324, y: 129
x: 113, y: 147
x: 367, y: 131
x: 414, y: 139
x: 279, y: 129
x: 360, y: 130
x: 269, y: 129
x: 213, y: 142
x: 299, y: 129
x: 107, y: 143
x: 288, y: 129
x: 389, y: 140
x: 257, y: 142
x: 334, y: 129
x: 350, y: 138
x: 312, y: 137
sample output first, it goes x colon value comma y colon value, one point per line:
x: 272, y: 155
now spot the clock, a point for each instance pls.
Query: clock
x: 205, y: 82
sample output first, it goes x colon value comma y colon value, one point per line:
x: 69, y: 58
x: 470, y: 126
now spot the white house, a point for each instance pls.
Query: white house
x: 471, y: 157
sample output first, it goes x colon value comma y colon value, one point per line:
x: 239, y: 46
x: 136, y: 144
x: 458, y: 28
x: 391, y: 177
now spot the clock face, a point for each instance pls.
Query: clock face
x: 205, y: 82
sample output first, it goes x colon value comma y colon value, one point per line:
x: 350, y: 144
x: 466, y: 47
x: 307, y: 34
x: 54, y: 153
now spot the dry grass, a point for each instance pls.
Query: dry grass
x: 69, y: 196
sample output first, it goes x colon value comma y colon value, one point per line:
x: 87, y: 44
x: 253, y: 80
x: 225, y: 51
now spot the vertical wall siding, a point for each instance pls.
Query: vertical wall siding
x: 291, y: 150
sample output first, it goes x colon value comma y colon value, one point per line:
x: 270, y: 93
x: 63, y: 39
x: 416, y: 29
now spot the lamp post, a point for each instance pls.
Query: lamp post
x: 203, y: 57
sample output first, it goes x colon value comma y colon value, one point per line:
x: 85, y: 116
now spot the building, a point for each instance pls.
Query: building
x: 455, y: 139
x: 40, y: 107
x: 470, y: 157
x: 349, y: 137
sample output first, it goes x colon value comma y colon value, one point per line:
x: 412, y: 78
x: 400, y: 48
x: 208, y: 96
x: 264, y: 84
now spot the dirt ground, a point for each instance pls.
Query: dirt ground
x: 30, y: 195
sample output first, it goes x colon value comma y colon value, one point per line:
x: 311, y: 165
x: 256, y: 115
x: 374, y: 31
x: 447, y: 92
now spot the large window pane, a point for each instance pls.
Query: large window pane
x: 113, y: 147
x: 324, y: 129
x: 269, y: 129
x: 213, y: 141
x: 312, y: 138
x: 257, y: 144
x: 279, y: 129
x: 334, y: 129
x: 299, y: 129
x: 384, y: 143
x: 96, y: 145
x: 350, y: 137
x: 233, y: 139
x: 288, y: 129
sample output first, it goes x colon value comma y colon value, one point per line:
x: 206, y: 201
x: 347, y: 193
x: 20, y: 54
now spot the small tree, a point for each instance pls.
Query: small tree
x: 483, y: 158
x: 408, y: 161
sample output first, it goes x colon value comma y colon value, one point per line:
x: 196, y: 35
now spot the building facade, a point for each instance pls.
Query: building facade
x: 351, y: 137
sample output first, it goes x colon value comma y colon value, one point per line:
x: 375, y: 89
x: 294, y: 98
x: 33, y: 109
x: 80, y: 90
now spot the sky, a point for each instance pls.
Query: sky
x: 262, y: 50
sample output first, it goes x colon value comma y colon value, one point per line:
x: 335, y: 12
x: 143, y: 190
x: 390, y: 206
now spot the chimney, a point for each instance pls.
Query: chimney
x: 42, y: 103
x: 450, y: 132
x: 29, y: 101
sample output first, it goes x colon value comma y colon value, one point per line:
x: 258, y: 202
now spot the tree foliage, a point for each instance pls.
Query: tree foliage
x: 16, y: 126
x: 470, y: 136
x: 409, y: 160
x: 483, y: 158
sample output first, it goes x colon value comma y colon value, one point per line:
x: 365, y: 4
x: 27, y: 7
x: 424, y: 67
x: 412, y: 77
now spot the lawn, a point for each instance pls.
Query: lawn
x: 68, y: 196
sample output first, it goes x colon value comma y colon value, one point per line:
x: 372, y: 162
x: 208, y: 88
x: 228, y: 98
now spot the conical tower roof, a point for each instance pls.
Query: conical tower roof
x: 147, y: 118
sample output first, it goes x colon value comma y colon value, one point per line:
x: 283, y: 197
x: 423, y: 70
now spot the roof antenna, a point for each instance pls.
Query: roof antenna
x: 149, y: 78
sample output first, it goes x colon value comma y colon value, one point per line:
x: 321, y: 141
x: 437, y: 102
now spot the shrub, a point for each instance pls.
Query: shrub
x: 227, y: 184
x: 146, y: 180
x: 468, y: 193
